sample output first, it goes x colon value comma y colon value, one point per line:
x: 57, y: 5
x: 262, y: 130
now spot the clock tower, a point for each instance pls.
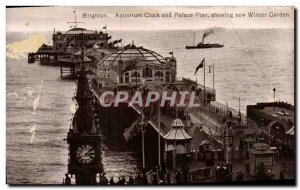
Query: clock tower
x: 84, y: 137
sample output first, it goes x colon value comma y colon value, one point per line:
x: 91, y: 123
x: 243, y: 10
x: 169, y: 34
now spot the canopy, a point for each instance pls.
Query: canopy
x: 177, y: 132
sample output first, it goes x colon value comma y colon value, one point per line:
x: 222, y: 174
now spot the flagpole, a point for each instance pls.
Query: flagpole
x: 143, y: 143
x: 75, y: 19
x: 136, y: 73
x: 196, y: 80
x: 213, y: 75
x: 159, y: 161
x: 204, y: 84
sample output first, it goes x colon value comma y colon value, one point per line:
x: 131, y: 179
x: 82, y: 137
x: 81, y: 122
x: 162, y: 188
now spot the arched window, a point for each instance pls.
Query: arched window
x: 126, y: 77
x: 121, y: 79
x: 147, y: 72
x: 159, y: 74
x: 168, y: 79
x: 135, y: 75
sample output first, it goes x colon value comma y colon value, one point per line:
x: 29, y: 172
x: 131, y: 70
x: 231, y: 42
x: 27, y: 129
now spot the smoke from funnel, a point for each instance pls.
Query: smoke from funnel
x: 207, y: 33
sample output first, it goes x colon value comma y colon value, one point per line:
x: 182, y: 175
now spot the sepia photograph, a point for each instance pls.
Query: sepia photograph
x: 157, y: 95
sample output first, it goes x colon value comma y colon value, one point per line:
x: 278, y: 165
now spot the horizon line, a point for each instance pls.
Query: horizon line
x: 222, y: 28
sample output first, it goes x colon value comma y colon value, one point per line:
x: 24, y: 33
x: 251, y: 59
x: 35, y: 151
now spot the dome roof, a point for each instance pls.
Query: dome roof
x: 177, y: 123
x: 79, y: 31
x: 177, y: 132
x: 132, y: 53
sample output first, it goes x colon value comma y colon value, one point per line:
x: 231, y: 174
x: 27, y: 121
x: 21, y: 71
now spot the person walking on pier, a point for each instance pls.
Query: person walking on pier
x: 145, y: 180
x: 178, y: 177
x: 111, y: 181
x: 67, y: 180
x: 123, y: 180
x: 139, y: 179
x: 103, y: 179
x: 281, y: 175
x: 131, y: 180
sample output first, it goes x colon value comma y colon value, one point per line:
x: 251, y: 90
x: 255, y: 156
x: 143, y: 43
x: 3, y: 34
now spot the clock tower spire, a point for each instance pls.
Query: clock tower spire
x: 84, y: 137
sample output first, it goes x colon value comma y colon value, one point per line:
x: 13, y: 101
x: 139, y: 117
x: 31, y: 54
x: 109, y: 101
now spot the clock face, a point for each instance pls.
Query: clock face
x: 85, y: 154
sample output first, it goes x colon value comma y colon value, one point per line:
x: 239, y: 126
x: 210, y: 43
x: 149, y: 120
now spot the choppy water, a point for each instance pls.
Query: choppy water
x: 249, y: 66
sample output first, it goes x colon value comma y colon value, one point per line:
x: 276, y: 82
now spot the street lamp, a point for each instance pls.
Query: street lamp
x: 142, y: 123
x: 274, y: 90
x: 227, y: 125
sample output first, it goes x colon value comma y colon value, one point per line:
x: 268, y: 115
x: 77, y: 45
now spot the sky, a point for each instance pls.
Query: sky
x: 48, y: 18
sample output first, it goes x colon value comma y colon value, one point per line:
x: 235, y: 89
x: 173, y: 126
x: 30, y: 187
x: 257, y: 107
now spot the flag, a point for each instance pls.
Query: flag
x: 104, y: 27
x: 127, y: 46
x: 132, y: 131
x: 115, y: 42
x: 199, y: 66
x: 171, y: 53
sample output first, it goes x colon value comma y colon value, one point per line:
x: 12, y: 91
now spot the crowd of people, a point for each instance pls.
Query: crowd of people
x: 180, y: 176
x: 139, y: 180
x: 224, y: 172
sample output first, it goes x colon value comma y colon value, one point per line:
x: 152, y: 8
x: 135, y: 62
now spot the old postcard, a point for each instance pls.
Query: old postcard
x: 150, y: 95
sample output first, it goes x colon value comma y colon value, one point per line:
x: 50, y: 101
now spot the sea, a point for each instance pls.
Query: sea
x: 248, y: 67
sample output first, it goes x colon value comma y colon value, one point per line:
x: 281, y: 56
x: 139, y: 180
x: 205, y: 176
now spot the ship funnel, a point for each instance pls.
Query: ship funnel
x: 206, y: 33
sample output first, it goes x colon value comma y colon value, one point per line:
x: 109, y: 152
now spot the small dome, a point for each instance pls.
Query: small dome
x: 177, y: 132
x: 79, y: 31
x: 177, y: 123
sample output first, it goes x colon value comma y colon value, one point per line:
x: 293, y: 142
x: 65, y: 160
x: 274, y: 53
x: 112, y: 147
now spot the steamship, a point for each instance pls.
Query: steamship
x: 202, y: 45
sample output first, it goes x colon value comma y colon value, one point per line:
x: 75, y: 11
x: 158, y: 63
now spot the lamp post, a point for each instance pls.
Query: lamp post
x: 274, y: 90
x: 227, y: 125
x: 143, y: 140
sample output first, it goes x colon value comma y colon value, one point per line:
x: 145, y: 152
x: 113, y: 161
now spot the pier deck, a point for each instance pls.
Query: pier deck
x: 212, y: 117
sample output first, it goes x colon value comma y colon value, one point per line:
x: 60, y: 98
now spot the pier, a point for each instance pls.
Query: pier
x: 73, y: 49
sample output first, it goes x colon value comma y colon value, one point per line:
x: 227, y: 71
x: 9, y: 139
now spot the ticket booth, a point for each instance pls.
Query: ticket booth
x: 177, y: 145
x: 206, y: 152
x: 260, y: 153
